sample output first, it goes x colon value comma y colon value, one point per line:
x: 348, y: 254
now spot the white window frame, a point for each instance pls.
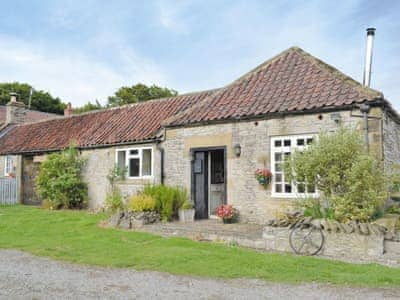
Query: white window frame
x: 8, y: 165
x: 286, y: 149
x: 140, y: 157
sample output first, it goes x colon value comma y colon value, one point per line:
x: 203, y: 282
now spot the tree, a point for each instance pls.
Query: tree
x: 40, y: 100
x: 88, y: 107
x: 139, y: 92
x: 59, y: 182
x: 350, y: 181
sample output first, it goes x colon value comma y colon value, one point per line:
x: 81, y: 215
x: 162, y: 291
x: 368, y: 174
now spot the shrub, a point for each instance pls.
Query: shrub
x: 168, y: 199
x: 187, y: 205
x: 312, y: 208
x: 59, y: 182
x: 349, y: 180
x: 142, y: 202
x: 114, y: 201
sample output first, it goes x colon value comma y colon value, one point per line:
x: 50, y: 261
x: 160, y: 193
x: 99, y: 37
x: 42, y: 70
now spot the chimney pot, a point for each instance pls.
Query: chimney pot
x: 15, y: 110
x: 13, y: 97
x: 68, y: 111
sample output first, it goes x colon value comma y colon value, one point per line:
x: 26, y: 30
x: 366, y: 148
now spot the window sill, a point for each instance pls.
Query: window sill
x: 138, y: 180
x: 293, y: 196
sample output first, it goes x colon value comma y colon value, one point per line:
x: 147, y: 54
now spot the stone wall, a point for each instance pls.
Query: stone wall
x: 346, y: 246
x: 391, y: 141
x: 253, y: 201
x: 99, y: 163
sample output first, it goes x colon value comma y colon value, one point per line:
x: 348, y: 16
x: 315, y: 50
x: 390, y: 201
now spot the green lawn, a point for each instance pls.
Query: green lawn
x: 74, y: 236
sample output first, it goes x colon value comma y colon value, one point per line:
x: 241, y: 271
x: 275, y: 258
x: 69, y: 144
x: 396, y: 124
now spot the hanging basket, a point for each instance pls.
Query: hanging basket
x: 263, y: 176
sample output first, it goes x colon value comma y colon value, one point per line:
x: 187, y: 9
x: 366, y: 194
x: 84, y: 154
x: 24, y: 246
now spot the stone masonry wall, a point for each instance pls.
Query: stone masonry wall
x: 391, y: 138
x: 253, y: 201
x: 100, y: 162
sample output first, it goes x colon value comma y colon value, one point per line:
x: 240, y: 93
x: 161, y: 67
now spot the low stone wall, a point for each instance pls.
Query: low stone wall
x: 348, y: 246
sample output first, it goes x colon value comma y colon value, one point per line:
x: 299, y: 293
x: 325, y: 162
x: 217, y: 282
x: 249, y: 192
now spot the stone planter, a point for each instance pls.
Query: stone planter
x: 186, y: 215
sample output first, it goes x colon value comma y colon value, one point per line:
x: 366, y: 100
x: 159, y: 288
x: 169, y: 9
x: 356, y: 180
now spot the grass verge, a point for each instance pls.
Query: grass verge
x: 75, y: 237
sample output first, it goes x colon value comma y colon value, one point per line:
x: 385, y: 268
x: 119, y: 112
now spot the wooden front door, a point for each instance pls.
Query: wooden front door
x: 200, y: 183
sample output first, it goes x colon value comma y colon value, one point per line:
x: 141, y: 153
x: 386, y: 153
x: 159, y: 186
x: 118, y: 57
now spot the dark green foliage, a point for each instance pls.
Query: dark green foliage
x: 351, y: 182
x: 88, y: 107
x: 168, y: 199
x: 41, y: 100
x: 139, y: 92
x: 59, y: 181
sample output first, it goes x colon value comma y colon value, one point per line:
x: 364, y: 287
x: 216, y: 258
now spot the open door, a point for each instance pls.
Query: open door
x: 208, y: 180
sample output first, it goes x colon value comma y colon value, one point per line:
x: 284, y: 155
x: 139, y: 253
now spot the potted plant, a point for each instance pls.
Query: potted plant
x: 186, y: 212
x: 263, y: 176
x: 227, y: 213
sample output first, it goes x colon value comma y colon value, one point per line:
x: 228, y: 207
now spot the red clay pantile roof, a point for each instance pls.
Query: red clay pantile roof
x: 131, y: 123
x: 292, y: 81
x: 31, y: 115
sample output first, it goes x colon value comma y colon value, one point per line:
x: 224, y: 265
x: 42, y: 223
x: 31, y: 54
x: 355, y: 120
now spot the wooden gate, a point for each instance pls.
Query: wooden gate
x: 8, y: 191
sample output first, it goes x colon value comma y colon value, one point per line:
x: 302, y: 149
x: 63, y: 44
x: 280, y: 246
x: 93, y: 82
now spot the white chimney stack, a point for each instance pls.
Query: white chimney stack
x: 368, y: 56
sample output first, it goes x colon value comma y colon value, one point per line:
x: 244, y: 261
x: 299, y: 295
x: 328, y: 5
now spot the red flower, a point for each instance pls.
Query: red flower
x: 226, y: 211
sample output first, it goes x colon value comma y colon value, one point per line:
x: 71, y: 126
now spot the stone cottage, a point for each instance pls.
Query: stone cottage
x: 15, y: 112
x: 212, y: 142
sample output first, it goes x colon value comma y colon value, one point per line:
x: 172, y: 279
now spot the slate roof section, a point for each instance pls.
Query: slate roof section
x: 31, y: 115
x: 125, y: 124
x: 292, y: 81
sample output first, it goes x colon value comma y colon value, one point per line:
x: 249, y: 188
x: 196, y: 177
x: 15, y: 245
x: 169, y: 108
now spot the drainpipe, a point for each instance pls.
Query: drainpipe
x: 364, y: 108
x: 159, y: 148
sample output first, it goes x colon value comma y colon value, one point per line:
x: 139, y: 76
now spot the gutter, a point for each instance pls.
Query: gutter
x: 89, y: 147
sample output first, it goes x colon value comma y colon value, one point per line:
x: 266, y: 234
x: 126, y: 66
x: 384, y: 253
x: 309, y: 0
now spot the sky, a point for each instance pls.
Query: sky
x: 82, y: 50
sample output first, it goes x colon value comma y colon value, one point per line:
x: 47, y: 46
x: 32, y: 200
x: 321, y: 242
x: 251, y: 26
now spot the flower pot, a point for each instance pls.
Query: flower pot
x: 186, y: 215
x: 262, y: 181
x: 227, y: 221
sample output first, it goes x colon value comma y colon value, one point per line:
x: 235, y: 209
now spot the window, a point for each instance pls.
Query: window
x: 9, y: 165
x: 138, y: 161
x: 281, y: 151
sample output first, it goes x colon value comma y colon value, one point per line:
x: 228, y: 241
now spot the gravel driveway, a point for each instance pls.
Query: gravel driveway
x: 23, y: 276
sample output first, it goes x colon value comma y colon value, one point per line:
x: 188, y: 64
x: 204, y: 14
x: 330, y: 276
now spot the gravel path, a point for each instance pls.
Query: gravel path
x: 23, y: 276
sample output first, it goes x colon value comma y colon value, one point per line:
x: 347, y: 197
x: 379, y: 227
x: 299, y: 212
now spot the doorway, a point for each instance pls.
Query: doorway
x: 208, y: 180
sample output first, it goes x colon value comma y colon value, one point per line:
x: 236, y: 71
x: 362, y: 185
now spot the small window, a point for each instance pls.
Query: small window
x: 300, y: 142
x: 278, y: 143
x: 9, y: 165
x: 133, y: 152
x: 134, y: 167
x: 286, y: 143
x: 309, y: 141
x: 139, y: 162
x: 121, y: 160
x: 278, y: 156
x: 146, y: 162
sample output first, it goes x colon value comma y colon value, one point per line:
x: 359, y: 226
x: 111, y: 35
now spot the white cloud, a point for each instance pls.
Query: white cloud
x: 71, y: 74
x: 171, y: 17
